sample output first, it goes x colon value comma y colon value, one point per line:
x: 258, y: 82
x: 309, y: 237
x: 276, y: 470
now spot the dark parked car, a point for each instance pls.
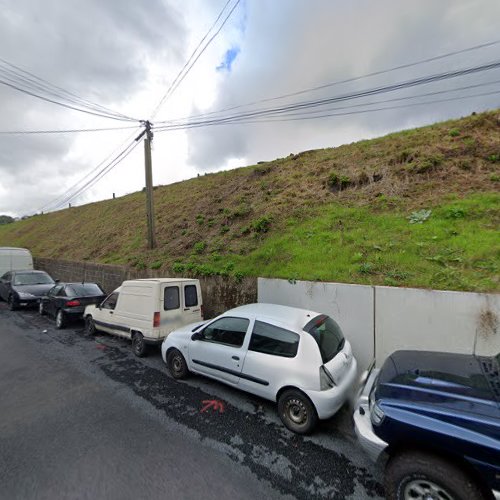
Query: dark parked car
x: 433, y: 420
x: 67, y: 301
x: 24, y: 288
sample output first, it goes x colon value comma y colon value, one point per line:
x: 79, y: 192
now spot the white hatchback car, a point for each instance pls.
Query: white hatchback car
x: 295, y: 357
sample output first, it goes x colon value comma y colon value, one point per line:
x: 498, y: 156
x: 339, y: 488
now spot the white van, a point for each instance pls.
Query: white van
x: 147, y: 310
x: 14, y: 259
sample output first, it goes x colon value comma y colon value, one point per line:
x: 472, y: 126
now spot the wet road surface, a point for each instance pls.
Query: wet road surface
x: 84, y: 418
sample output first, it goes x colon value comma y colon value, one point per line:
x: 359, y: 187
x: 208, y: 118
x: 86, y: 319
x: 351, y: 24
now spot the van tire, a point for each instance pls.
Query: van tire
x: 297, y: 412
x: 139, y: 346
x: 90, y: 328
x: 177, y: 365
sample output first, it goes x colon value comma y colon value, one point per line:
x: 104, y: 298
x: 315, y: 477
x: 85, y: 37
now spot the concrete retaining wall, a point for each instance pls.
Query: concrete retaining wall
x: 380, y: 320
x: 219, y: 293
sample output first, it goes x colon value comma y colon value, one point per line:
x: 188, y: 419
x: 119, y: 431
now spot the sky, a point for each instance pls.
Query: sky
x: 124, y: 54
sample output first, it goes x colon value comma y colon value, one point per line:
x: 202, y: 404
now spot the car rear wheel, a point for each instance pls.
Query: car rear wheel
x: 418, y: 475
x: 297, y: 412
x: 176, y: 364
x: 60, y: 319
x: 41, y: 309
x: 90, y: 328
x: 12, y: 303
x: 139, y: 345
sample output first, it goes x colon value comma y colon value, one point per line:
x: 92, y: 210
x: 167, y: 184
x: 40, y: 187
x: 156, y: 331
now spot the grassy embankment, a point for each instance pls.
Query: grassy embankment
x: 337, y: 214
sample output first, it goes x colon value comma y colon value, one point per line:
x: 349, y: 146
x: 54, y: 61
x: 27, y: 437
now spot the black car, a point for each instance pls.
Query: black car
x: 433, y: 419
x: 24, y: 288
x: 67, y: 301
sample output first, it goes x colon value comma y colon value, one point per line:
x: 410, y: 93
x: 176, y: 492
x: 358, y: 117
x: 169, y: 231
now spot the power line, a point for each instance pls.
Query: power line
x: 17, y: 75
x: 67, y: 131
x: 339, y: 82
x: 339, y: 98
x: 178, y: 79
x: 61, y: 199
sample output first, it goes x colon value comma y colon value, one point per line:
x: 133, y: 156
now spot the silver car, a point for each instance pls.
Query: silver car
x: 298, y: 358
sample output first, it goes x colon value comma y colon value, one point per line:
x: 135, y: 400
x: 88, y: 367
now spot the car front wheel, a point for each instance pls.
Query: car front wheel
x: 297, y: 412
x: 176, y: 364
x: 12, y: 303
x: 418, y: 475
x: 41, y: 309
x: 139, y: 345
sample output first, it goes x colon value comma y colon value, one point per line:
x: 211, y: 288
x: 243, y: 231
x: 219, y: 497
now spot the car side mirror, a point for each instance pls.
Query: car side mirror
x: 57, y: 281
x: 197, y: 336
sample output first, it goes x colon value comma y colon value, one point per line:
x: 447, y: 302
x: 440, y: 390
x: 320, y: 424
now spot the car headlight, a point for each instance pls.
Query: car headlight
x: 377, y: 414
x: 24, y: 295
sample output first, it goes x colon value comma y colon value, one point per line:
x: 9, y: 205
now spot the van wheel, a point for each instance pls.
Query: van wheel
x: 423, y: 475
x: 138, y: 345
x: 297, y: 412
x: 60, y: 319
x: 177, y: 365
x: 90, y: 326
x: 12, y: 303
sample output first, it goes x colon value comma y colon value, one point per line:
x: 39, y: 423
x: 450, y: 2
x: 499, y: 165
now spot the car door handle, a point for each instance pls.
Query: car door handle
x: 110, y: 312
x: 236, y: 358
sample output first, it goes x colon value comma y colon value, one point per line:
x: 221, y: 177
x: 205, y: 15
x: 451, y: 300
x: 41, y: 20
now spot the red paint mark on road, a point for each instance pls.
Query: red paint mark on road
x: 101, y: 347
x: 215, y: 404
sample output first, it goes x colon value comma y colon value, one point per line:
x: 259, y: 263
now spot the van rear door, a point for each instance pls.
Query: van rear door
x: 191, y: 295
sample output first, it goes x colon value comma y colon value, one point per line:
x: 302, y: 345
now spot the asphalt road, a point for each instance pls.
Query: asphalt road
x: 83, y: 417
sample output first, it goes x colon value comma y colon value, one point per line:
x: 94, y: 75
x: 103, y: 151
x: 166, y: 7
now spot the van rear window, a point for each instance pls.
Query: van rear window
x: 171, y: 298
x: 190, y: 296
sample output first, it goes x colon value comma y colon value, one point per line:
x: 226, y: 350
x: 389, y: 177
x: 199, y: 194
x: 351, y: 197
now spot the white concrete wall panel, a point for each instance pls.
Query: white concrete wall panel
x: 408, y: 318
x: 350, y: 305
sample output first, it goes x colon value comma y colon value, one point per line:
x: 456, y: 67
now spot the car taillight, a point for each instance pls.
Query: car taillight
x: 156, y: 319
x: 202, y: 312
x: 73, y: 303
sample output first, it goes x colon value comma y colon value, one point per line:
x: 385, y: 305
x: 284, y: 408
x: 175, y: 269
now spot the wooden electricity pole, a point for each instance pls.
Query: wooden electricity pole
x: 149, y: 186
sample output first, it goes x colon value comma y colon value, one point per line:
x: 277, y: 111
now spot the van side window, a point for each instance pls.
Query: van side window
x: 270, y: 339
x: 190, y: 296
x: 228, y: 331
x: 171, y: 298
x: 110, y: 302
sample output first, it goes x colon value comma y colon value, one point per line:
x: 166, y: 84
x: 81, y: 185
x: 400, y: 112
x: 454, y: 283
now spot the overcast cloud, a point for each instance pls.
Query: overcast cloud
x: 123, y: 54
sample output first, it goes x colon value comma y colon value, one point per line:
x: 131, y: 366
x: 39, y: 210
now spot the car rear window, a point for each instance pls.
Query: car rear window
x: 84, y: 290
x: 327, y: 334
x: 270, y: 339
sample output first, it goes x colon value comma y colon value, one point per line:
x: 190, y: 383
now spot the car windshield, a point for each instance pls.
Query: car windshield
x: 32, y: 279
x: 84, y: 290
x: 327, y: 335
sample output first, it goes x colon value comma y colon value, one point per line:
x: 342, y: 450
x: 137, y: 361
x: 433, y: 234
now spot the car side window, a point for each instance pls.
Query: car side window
x: 55, y: 290
x: 110, y: 302
x: 190, y: 296
x: 228, y: 331
x: 61, y: 292
x: 171, y: 298
x: 6, y: 277
x: 270, y: 339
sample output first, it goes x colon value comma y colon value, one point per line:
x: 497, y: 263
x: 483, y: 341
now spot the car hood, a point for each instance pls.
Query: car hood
x: 459, y: 381
x: 185, y: 331
x: 37, y: 290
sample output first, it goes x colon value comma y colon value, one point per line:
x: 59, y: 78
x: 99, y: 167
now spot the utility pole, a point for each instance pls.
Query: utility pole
x: 149, y: 185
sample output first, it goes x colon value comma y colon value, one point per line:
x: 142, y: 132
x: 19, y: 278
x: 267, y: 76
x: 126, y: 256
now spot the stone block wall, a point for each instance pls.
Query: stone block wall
x: 219, y: 293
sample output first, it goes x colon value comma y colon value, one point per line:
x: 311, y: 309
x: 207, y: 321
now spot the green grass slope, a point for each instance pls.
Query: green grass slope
x: 415, y: 208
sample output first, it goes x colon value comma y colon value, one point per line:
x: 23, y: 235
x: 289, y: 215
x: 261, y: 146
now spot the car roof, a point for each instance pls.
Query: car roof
x: 292, y: 316
x: 31, y: 271
x: 161, y: 280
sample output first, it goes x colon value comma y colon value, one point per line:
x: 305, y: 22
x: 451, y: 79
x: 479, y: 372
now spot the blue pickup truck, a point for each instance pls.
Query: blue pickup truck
x: 433, y: 421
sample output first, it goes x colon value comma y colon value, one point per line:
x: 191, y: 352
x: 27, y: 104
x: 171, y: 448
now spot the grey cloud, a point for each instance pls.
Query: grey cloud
x: 98, y: 49
x: 298, y: 44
